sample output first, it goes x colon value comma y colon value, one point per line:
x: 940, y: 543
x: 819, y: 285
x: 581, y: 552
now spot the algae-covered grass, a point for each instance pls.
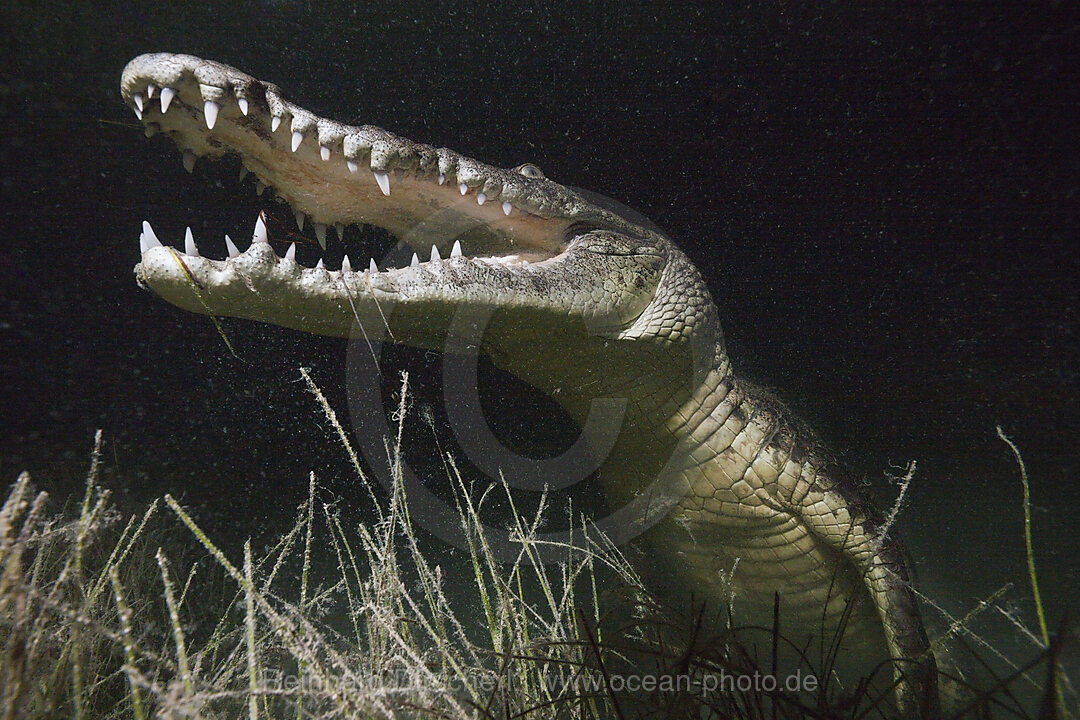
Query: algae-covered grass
x: 103, y: 616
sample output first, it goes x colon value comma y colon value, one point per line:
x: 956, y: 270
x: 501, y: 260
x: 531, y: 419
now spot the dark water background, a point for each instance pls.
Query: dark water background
x: 884, y: 198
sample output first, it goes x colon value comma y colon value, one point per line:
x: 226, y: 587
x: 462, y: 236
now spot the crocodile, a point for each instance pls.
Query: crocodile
x: 578, y: 299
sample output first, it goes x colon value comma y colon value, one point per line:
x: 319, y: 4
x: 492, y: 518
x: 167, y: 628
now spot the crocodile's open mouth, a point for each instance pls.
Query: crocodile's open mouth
x: 439, y: 204
x: 470, y: 235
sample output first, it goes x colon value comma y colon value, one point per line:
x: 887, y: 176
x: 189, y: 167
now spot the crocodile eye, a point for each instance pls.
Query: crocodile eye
x: 530, y: 171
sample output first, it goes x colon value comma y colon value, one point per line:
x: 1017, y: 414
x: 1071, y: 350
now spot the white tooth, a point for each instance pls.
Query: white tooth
x: 319, y: 265
x: 151, y: 238
x: 415, y: 260
x: 297, y: 138
x: 353, y: 167
x: 189, y: 244
x: 320, y: 233
x: 243, y: 173
x: 290, y: 254
x: 442, y: 178
x: 324, y: 152
x: 260, y: 231
x: 372, y: 267
x: 166, y: 98
x: 340, y: 230
x: 137, y: 97
x: 242, y: 102
x: 480, y: 198
x: 300, y: 220
x: 463, y: 188
x: 210, y: 109
x: 189, y: 161
x: 346, y: 266
x: 435, y: 254
x: 384, y: 181
x: 233, y: 251
x: 507, y: 207
x: 138, y: 113
x: 456, y: 250
x: 142, y: 244
x: 275, y: 122
x: 150, y: 91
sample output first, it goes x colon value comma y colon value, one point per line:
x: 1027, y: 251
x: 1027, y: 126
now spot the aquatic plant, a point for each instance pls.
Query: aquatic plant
x: 102, y: 617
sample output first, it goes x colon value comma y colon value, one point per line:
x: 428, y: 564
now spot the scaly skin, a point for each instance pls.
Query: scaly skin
x: 576, y: 299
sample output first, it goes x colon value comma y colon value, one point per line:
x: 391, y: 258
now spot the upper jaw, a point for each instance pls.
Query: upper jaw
x: 336, y: 174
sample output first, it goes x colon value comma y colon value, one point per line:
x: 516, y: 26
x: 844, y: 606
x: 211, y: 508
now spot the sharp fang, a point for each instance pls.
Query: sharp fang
x: 340, y: 230
x: 275, y: 123
x: 137, y: 97
x: 142, y: 244
x: 300, y: 220
x: 189, y: 161
x: 290, y: 254
x: 346, y: 266
x: 166, y: 98
x: 260, y: 187
x: 189, y: 244
x: 260, y: 231
x: 150, y: 91
x: 297, y: 138
x: 507, y: 207
x: 319, y: 265
x: 372, y: 267
x: 353, y: 167
x: 480, y: 198
x: 138, y: 113
x: 415, y: 260
x: 231, y: 247
x: 456, y: 250
x: 243, y: 173
x: 463, y: 188
x: 384, y: 181
x: 242, y: 102
x: 442, y: 178
x: 324, y: 152
x: 320, y: 233
x: 149, y: 236
x: 435, y: 254
x: 210, y: 109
